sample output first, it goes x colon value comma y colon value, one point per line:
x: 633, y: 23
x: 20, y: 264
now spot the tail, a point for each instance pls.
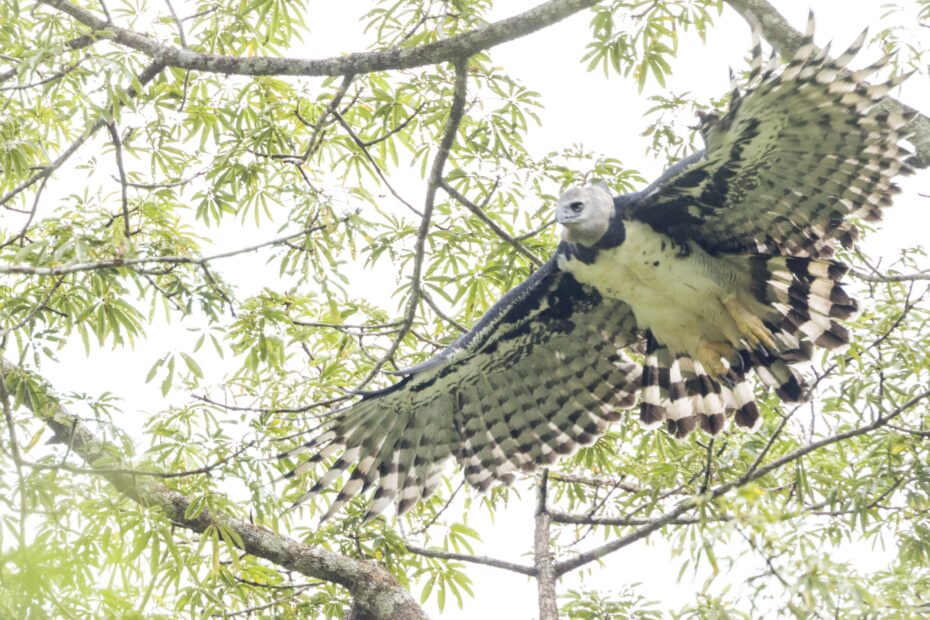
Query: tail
x: 799, y: 300
x: 678, y: 391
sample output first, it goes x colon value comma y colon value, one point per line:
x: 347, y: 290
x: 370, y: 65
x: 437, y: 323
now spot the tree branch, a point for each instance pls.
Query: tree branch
x: 377, y: 593
x: 150, y: 260
x: 474, y: 559
x: 494, y: 226
x: 546, y: 575
x: 777, y: 30
x: 459, y: 46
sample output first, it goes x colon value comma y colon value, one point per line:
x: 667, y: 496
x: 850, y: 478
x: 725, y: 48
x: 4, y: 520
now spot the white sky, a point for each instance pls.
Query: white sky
x: 604, y: 115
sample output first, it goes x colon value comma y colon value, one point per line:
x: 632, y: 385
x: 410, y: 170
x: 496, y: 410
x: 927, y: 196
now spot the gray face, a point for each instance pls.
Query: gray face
x: 585, y: 213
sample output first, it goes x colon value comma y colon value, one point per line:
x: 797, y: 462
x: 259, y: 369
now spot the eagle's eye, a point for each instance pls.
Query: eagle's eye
x: 576, y: 206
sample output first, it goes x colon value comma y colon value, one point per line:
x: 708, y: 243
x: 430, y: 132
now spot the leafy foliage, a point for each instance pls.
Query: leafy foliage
x: 256, y: 245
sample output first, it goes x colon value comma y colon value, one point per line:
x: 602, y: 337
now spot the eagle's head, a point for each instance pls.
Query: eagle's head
x: 585, y: 214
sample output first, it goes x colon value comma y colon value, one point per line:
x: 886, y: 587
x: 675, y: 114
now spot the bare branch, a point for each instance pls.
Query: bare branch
x: 371, y: 160
x: 248, y: 611
x: 442, y: 315
x: 473, y: 559
x: 586, y: 519
x: 177, y: 23
x: 394, y: 130
x: 494, y: 226
x: 315, y: 137
x: 459, y: 46
x: 596, y: 481
x: 74, y: 44
x: 908, y: 277
x: 124, y: 197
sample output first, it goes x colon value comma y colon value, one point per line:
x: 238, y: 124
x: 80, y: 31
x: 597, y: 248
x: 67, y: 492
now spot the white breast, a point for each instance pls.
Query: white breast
x: 676, y: 296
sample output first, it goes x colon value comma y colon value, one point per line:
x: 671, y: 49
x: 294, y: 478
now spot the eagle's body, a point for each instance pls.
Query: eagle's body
x: 721, y: 268
x: 675, y: 291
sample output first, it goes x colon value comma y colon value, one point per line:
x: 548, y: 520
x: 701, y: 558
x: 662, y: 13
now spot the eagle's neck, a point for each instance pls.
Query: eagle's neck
x: 613, y: 237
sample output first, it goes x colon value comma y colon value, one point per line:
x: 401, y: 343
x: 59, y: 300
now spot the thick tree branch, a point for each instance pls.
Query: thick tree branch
x: 460, y: 46
x: 782, y: 35
x: 377, y: 593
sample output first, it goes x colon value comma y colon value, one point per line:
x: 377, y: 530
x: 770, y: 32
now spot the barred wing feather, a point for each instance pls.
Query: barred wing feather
x: 541, y: 374
x: 794, y: 157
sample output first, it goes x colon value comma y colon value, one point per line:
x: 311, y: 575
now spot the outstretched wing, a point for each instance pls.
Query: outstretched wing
x: 540, y: 374
x: 794, y: 157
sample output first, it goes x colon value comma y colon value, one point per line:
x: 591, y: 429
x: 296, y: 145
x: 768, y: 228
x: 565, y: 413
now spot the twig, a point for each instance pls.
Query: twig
x: 494, y: 226
x: 400, y: 127
x: 32, y: 214
x: 118, y: 146
x: 911, y: 277
x: 371, y: 160
x: 74, y: 44
x: 107, y: 471
x: 147, y: 260
x: 32, y: 313
x: 596, y: 481
x: 166, y: 184
x: 442, y: 315
x: 177, y: 22
x: 586, y: 519
x: 284, y: 599
x: 321, y: 122
x: 473, y: 559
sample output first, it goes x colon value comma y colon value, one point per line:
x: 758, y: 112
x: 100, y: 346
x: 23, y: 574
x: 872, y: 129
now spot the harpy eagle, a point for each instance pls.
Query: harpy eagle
x: 722, y: 266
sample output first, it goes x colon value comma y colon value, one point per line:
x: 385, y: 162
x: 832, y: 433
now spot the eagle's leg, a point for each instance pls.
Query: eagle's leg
x: 711, y: 356
x: 748, y: 324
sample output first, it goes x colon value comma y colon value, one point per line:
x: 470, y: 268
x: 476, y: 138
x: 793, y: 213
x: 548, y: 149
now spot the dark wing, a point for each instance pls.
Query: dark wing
x: 794, y: 157
x: 540, y: 374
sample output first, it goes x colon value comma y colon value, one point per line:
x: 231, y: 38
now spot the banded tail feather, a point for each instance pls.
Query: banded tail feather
x: 800, y: 301
x: 686, y: 397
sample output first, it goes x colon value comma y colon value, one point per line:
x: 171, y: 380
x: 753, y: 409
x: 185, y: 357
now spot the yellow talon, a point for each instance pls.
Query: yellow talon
x: 748, y: 324
x: 711, y: 354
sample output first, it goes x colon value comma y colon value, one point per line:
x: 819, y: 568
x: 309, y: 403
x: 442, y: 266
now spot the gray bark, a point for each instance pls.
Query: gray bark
x: 545, y: 563
x: 460, y: 46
